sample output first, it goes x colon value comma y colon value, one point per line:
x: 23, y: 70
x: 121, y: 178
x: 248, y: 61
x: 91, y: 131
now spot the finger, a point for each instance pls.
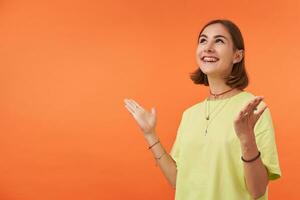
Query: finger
x: 129, y: 102
x: 253, y: 104
x: 137, y: 105
x: 259, y: 113
x: 240, y: 115
x: 130, y: 105
x: 256, y: 103
x: 129, y: 109
x: 153, y: 110
x: 246, y: 109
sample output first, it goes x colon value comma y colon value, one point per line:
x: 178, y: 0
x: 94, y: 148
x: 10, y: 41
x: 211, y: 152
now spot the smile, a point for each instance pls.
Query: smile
x: 209, y: 59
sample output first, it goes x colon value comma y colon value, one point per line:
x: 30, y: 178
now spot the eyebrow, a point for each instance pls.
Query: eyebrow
x: 216, y: 36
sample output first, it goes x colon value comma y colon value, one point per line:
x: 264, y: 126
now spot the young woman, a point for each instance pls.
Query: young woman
x: 225, y: 145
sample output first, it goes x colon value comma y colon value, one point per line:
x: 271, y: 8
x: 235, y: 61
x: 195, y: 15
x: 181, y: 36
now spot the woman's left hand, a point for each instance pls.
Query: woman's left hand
x: 246, y: 120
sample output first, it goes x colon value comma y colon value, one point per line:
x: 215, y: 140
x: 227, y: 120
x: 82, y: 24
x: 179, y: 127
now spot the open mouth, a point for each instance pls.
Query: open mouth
x: 209, y: 59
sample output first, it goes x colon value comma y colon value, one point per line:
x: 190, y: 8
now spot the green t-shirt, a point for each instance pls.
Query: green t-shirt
x: 209, y: 166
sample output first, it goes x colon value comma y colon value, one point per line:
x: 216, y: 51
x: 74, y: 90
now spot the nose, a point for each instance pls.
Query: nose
x: 209, y: 47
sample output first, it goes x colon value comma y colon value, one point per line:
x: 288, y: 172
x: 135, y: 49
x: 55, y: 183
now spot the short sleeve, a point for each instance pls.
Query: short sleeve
x: 175, y: 150
x: 265, y: 139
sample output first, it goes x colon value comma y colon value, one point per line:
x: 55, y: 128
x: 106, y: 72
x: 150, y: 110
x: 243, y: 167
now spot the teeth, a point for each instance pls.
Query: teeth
x: 210, y: 59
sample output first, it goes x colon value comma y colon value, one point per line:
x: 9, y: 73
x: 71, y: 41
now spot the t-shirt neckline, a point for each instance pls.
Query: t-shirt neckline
x: 232, y: 97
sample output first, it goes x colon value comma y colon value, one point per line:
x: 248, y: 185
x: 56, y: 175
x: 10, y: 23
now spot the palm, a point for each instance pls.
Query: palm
x: 245, y: 124
x: 146, y: 120
x: 247, y: 118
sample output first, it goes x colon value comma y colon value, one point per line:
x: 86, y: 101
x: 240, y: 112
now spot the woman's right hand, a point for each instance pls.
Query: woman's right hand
x: 146, y: 120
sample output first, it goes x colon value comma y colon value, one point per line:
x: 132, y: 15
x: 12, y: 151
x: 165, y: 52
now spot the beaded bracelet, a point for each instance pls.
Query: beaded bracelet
x: 251, y: 160
x: 153, y: 144
x: 159, y: 158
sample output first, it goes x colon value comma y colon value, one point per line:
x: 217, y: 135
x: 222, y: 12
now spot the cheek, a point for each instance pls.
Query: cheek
x: 227, y: 55
x: 198, y: 55
x: 198, y: 51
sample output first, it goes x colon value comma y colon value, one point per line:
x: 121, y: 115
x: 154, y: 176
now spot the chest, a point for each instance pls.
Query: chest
x: 208, y: 139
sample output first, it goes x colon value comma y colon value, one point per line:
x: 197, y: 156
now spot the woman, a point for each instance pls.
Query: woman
x: 225, y: 145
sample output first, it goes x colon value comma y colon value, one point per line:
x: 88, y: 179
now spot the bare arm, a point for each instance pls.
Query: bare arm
x: 147, y: 122
x: 166, y: 163
x: 256, y: 175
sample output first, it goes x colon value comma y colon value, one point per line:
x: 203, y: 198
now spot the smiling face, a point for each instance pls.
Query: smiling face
x: 215, y: 53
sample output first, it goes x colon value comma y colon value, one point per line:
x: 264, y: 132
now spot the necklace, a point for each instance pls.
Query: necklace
x: 209, y: 116
x: 216, y: 95
x: 207, y: 109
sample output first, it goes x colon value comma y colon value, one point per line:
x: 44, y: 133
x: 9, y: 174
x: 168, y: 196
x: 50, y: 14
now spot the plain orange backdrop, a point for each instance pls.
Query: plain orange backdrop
x: 66, y: 67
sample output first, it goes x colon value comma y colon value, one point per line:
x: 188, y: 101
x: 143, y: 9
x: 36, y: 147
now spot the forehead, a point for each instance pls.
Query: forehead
x: 215, y: 29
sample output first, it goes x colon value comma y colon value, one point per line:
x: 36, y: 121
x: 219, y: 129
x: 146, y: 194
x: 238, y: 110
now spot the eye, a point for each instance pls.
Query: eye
x: 201, y: 40
x: 219, y: 40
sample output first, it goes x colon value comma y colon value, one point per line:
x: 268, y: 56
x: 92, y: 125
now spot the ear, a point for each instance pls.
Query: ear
x: 238, y: 56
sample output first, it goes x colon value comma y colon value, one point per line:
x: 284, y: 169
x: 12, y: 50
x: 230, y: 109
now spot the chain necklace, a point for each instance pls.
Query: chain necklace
x: 208, y: 114
x: 209, y: 117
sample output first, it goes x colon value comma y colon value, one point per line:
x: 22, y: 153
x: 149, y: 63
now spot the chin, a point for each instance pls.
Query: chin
x: 209, y: 69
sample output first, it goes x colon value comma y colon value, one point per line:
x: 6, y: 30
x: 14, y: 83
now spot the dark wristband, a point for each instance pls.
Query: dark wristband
x: 251, y: 160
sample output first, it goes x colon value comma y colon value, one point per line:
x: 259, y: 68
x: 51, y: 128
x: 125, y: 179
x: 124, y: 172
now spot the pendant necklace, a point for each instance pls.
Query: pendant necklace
x: 208, y: 115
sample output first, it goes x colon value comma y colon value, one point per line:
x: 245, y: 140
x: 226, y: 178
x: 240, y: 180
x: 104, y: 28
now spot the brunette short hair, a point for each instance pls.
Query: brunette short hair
x: 238, y: 77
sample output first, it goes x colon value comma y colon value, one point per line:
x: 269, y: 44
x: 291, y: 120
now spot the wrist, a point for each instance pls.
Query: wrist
x: 249, y: 149
x: 149, y: 133
x: 247, y: 138
x: 151, y: 137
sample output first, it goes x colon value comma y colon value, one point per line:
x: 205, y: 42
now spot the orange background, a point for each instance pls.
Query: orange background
x: 66, y: 67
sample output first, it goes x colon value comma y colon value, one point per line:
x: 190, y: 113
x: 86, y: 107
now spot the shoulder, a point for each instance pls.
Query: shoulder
x: 246, y: 97
x: 194, y: 108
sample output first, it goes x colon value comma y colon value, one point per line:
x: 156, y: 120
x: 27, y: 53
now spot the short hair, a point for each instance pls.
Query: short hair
x: 238, y: 77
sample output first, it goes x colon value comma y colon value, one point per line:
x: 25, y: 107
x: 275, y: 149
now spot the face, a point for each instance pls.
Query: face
x: 215, y: 53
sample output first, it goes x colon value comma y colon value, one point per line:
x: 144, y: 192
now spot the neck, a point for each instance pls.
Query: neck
x: 217, y: 86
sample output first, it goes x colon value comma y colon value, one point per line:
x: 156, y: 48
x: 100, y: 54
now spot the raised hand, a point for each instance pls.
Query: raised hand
x: 247, y: 118
x: 146, y: 120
